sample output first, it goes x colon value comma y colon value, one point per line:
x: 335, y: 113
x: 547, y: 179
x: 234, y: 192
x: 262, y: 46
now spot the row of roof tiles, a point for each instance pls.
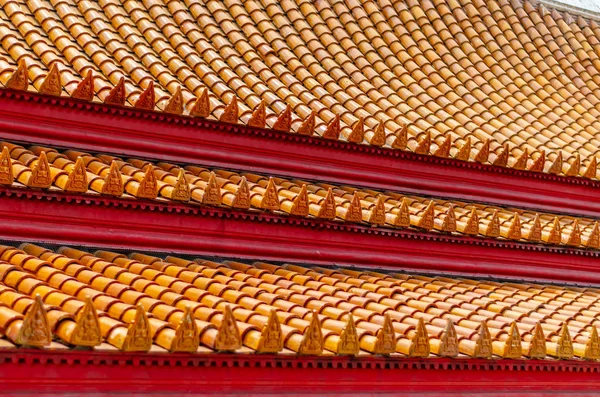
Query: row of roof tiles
x: 504, y: 79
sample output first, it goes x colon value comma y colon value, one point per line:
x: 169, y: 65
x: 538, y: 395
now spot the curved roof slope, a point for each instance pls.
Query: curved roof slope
x: 490, y: 70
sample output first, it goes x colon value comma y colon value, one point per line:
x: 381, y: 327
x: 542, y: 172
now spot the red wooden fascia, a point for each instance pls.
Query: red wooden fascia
x: 57, y: 217
x: 30, y: 117
x: 29, y: 372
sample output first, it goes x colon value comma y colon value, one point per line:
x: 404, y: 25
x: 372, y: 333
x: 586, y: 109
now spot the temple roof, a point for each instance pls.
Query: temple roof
x: 476, y: 73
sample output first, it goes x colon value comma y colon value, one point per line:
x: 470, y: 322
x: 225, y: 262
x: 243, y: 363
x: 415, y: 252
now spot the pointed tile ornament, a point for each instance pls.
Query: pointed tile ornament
x: 377, y: 214
x: 464, y: 154
x: 19, y: 79
x: 270, y: 200
x: 35, y: 330
x: 535, y: 232
x: 349, y: 344
x: 87, y: 329
x: 512, y: 346
x: 493, y: 228
x: 444, y: 149
x: 259, y: 116
x: 242, y: 195
x: 327, y: 210
x: 574, y: 239
x: 271, y: 337
x: 514, y: 230
x: 424, y: 145
x: 212, y: 191
x: 312, y: 341
x: 231, y: 112
x: 593, y: 240
x: 187, y: 336
x: 420, y: 341
x: 592, y: 347
x: 354, y: 211
x: 147, y: 98
x: 449, y: 345
x: 85, y: 88
x: 426, y: 219
x: 300, y: 203
x: 538, y: 164
x: 401, y: 138
x: 521, y: 162
x: 6, y: 172
x: 449, y: 224
x: 333, y: 129
x: 358, y: 131
x: 201, y: 107
x: 117, y: 95
x: 592, y: 169
x: 386, y: 337
x: 113, y: 182
x: 175, y: 103
x: 284, y: 120
x: 51, y: 84
x: 378, y: 138
x: 557, y: 165
x: 472, y: 226
x: 148, y: 187
x: 484, y: 153
x: 483, y: 346
x: 77, y: 180
x: 564, y: 345
x: 575, y: 165
x: 537, y: 345
x: 308, y: 126
x: 502, y: 159
x: 228, y: 337
x: 555, y: 236
x: 139, y: 336
x: 181, y: 190
x: 40, y: 173
x: 403, y: 216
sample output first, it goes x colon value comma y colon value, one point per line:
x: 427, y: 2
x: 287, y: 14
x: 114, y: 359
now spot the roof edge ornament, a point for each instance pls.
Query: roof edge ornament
x: 386, y: 337
x: 443, y: 150
x: 113, y: 182
x: 575, y: 166
x: 358, y: 131
x: 349, y: 343
x: 270, y: 199
x: 241, y: 198
x: 228, y: 337
x: 308, y: 126
x: 85, y: 89
x: 484, y: 152
x: 35, y: 330
x: 420, y: 341
x: 354, y: 210
x: 259, y: 116
x: 7, y: 175
x: 449, y: 345
x: 403, y: 216
x: 328, y: 206
x: 77, y: 180
x: 181, y: 189
x: 493, y: 227
x: 378, y: 137
x: 501, y: 160
x: 564, y: 345
x: 175, y: 103
x: 212, y: 191
x: 472, y: 226
x: 231, y: 113
x: 483, y: 346
x: 401, y: 138
x: 512, y: 345
x: 139, y: 338
x: 449, y: 223
x: 148, y: 186
x: 521, y: 162
x: 51, y: 84
x: 557, y: 166
x: 19, y: 79
x: 117, y: 95
x: 40, y: 173
x: 300, y: 203
x: 284, y: 120
x: 201, y: 107
x: 147, y: 99
x: 87, y: 330
x: 538, y: 164
x: 377, y: 214
x: 312, y: 340
x: 464, y: 153
x: 271, y: 337
x: 333, y: 129
x: 424, y: 146
x: 187, y: 335
x: 537, y: 345
x: 426, y: 219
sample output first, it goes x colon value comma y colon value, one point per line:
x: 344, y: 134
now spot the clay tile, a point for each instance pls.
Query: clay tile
x: 349, y: 344
x: 575, y: 165
x: 575, y: 235
x: 308, y: 125
x: 401, y: 138
x: 593, y: 240
x: 512, y: 346
x: 377, y: 215
x: 449, y: 224
x: 514, y: 230
x: 40, y: 174
x: 592, y: 169
x: 312, y: 341
x: 502, y: 159
x: 483, y: 346
x: 148, y: 187
x: 6, y: 172
x: 270, y: 200
x: 51, y: 84
x: 231, y: 112
x: 146, y: 100
x: 175, y: 104
x: 77, y: 181
x: 284, y: 120
x: 386, y: 337
x: 113, y: 182
x: 259, y: 116
x: 228, y: 337
x: 484, y: 153
x: 354, y: 212
x: 378, y: 138
x: 426, y: 219
x: 201, y: 107
x: 555, y: 236
x: 464, y: 154
x: 535, y: 232
x: 538, y: 164
x: 19, y: 79
x: 493, y: 228
x: 423, y: 146
x: 117, y: 95
x: 420, y: 341
x: 521, y: 162
x: 358, y: 131
x: 403, y: 217
x: 212, y: 191
x: 327, y: 210
x: 537, y: 345
x: 87, y: 330
x: 472, y: 226
x: 557, y: 165
x: 444, y: 149
x: 333, y: 129
x: 85, y: 88
x: 564, y: 345
x: 139, y: 338
x: 35, y: 330
x: 592, y: 347
x: 242, y: 195
x: 449, y: 346
x: 181, y: 190
x: 187, y: 336
x: 300, y: 204
x: 271, y: 337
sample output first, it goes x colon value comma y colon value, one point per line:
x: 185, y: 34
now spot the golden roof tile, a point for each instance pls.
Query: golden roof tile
x: 593, y: 241
x: 502, y: 158
x: 557, y: 166
x: 426, y: 218
x: 535, y: 230
x: 300, y: 203
x: 512, y: 345
x: 449, y: 224
x: 187, y: 335
x: 537, y: 345
x: 514, y: 230
x: 228, y: 338
x: 483, y: 346
x: 592, y: 347
x: 148, y: 186
x: 270, y: 200
x: 521, y: 162
x: 592, y: 169
x: 377, y: 214
x: 354, y: 211
x: 242, y: 195
x: 574, y: 238
x: 493, y: 227
x: 420, y: 341
x: 403, y: 216
x: 212, y: 192
x: 40, y: 173
x: 449, y: 342
x: 564, y: 345
x: 327, y: 208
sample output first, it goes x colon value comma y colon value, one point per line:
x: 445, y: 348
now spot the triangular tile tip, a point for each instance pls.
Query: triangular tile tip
x: 19, y: 79
x: 117, y: 95
x: 181, y: 189
x: 51, y: 84
x: 535, y: 231
x: 231, y: 112
x: 308, y: 126
x: 35, y: 330
x: 148, y: 187
x: 270, y: 199
x: 427, y: 216
x: 537, y: 345
x: 593, y: 240
x: 85, y: 88
x: 113, y: 182
x: 242, y: 195
x: 449, y: 345
x: 592, y: 169
x: 175, y: 103
x: 386, y: 337
x: 449, y: 223
x: 401, y: 138
x: 271, y: 337
x: 557, y: 165
x: 483, y: 345
x: 377, y: 214
x: 259, y: 116
x: 555, y: 235
x: 514, y: 230
x: 575, y: 236
x: 333, y: 129
x: 187, y: 337
x: 464, y: 153
x: 349, y: 343
x: 300, y: 202
x: 312, y: 341
x: 358, y: 131
x: 6, y: 171
x: 403, y: 216
x: 420, y: 341
x: 328, y: 206
x: 228, y: 337
x: 472, y: 226
x: 512, y: 346
x: 201, y: 107
x: 284, y: 120
x: 564, y: 345
x: 592, y: 347
x: 483, y: 154
x: 147, y: 99
x: 443, y: 150
x: 424, y: 145
x: 40, y: 173
x: 87, y: 329
x: 77, y: 180
x: 521, y: 162
x: 538, y: 164
x: 502, y: 158
x: 139, y: 336
x: 212, y: 191
x: 379, y: 136
x: 574, y: 167
x: 354, y: 210
x: 493, y: 227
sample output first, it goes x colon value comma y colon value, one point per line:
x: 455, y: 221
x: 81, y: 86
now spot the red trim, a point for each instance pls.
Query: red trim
x: 137, y: 224
x: 34, y: 118
x: 96, y: 372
